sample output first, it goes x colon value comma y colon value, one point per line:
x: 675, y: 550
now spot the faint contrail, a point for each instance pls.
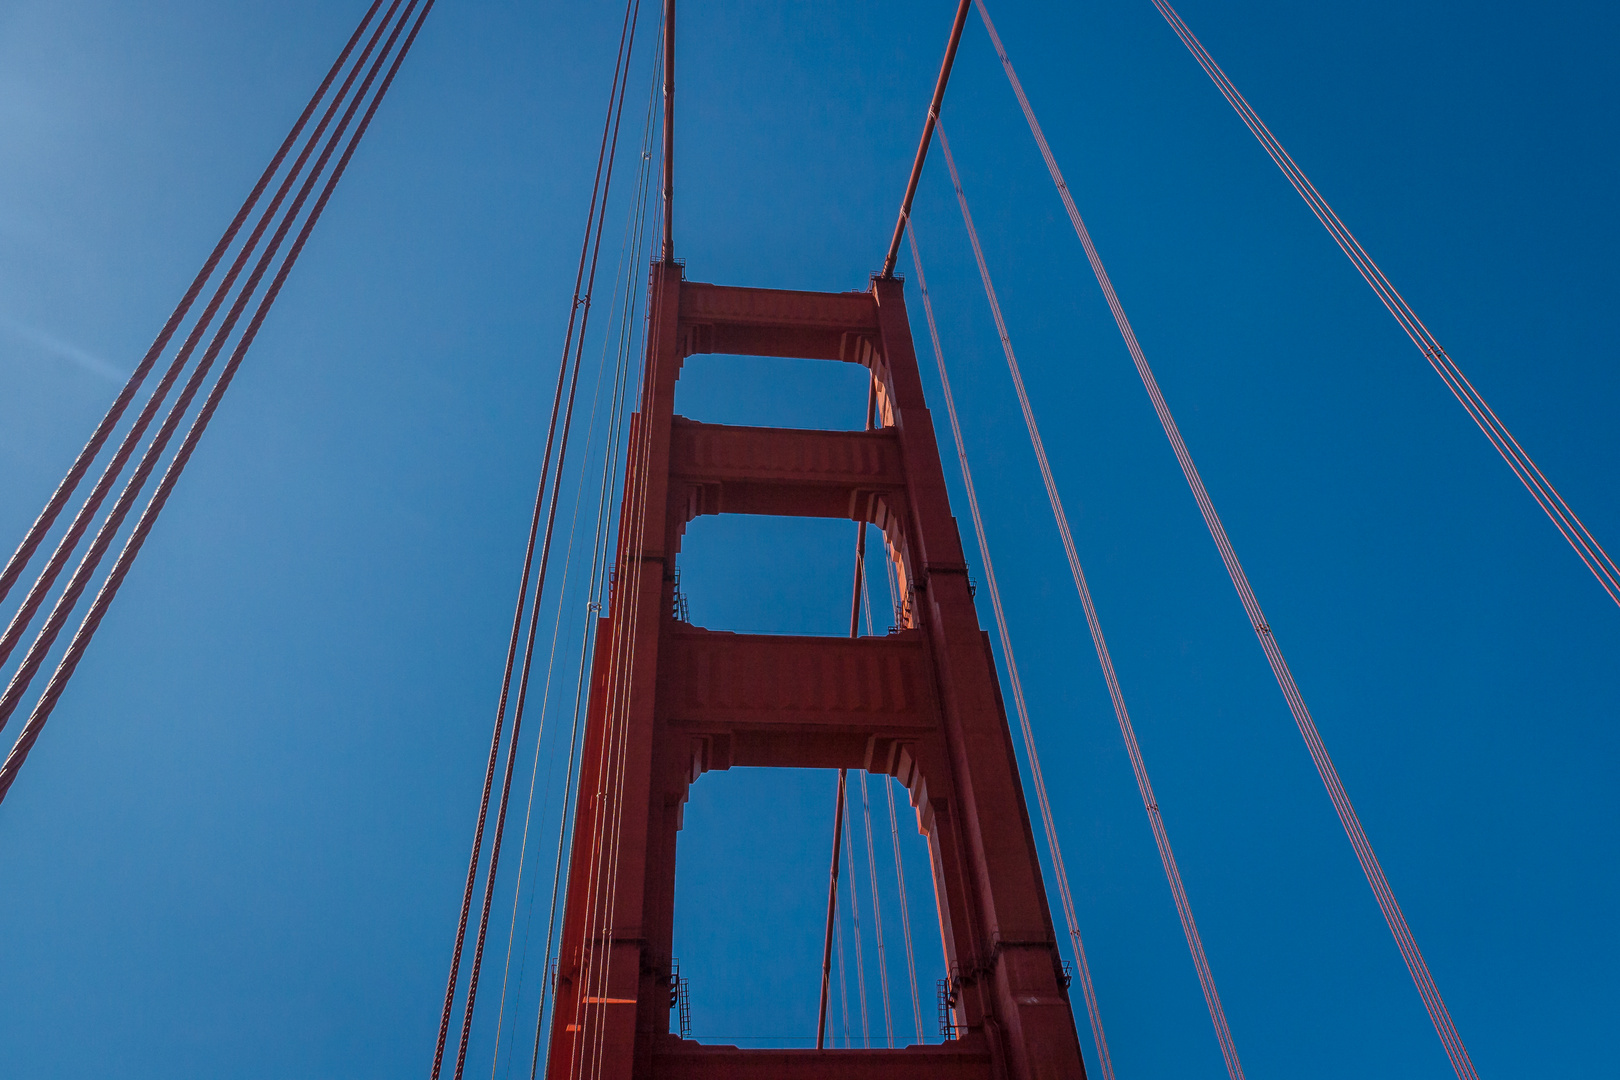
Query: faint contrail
x: 63, y: 350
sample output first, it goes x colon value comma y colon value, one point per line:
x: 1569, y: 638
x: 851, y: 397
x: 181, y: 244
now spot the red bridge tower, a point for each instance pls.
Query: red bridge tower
x: 669, y: 701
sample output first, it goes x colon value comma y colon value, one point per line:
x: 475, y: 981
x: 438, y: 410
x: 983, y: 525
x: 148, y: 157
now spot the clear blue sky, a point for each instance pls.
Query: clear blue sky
x: 238, y: 850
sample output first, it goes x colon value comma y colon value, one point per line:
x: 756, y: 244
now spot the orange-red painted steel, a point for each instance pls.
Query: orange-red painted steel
x: 921, y: 704
x: 927, y: 134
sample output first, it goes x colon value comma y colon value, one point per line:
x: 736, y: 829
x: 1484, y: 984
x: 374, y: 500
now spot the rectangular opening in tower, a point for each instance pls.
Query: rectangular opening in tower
x: 750, y: 944
x: 760, y: 391
x: 758, y: 574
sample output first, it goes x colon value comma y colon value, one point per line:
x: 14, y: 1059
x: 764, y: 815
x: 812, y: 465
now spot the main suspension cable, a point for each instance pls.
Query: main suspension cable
x: 1060, y: 871
x: 1370, y: 866
x: 63, y: 609
x: 1518, y: 459
x: 115, y: 578
x: 64, y: 491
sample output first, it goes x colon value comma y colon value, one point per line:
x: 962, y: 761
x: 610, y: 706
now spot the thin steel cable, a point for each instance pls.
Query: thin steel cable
x: 1524, y: 467
x: 551, y: 658
x: 625, y: 284
x: 857, y: 594
x: 855, y: 929
x: 545, y: 556
x: 1370, y: 865
x: 609, y: 780
x: 62, y: 610
x: 832, y: 908
x: 602, y: 904
x: 905, y: 916
x: 599, y: 904
x: 64, y: 491
x: 606, y: 906
x: 1150, y: 803
x: 843, y: 987
x: 1172, y: 873
x: 877, y: 918
x: 1060, y: 871
x: 115, y: 578
x: 899, y: 870
x: 600, y: 583
x: 517, y: 617
x: 607, y: 758
x: 593, y: 608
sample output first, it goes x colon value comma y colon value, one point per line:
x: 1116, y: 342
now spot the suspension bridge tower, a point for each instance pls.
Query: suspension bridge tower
x: 670, y: 701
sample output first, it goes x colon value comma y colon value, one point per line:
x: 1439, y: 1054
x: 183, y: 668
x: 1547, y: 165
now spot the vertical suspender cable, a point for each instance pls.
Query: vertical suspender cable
x: 599, y: 902
x: 832, y: 915
x: 607, y: 829
x: 905, y: 914
x: 599, y: 583
x: 98, y: 438
x: 1524, y: 467
x: 545, y: 551
x: 855, y: 931
x: 623, y: 646
x: 1370, y: 866
x: 1060, y: 871
x: 843, y: 774
x: 866, y: 805
x: 579, y: 311
x: 626, y: 282
x: 528, y: 558
x: 1172, y: 873
x: 877, y: 916
x: 899, y: 869
x: 115, y: 578
x: 669, y: 131
x: 843, y: 985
